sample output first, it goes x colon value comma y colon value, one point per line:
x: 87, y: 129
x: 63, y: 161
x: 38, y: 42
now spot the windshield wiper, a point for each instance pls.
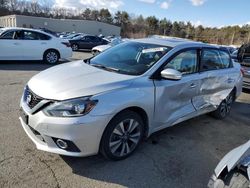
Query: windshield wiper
x: 106, y: 68
x: 86, y: 61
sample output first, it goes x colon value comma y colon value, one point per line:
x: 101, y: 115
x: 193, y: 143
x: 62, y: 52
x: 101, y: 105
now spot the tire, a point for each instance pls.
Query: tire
x: 122, y: 136
x: 51, y: 57
x: 225, y: 107
x: 236, y: 180
x: 75, y: 47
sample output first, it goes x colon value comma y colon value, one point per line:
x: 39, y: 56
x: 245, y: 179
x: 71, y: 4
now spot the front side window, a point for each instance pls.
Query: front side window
x: 211, y: 60
x: 8, y: 35
x: 132, y: 58
x: 185, y: 62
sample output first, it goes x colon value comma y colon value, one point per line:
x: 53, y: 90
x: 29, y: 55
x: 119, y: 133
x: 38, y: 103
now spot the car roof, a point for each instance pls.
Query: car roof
x: 173, y: 42
x: 28, y: 29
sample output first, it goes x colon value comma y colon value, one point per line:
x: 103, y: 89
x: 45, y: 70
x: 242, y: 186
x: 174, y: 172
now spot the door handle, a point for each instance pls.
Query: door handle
x: 16, y: 43
x: 43, y: 43
x: 193, y: 85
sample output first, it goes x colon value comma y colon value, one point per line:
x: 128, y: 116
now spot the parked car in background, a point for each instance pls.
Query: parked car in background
x: 98, y: 49
x: 31, y: 44
x: 49, y: 31
x: 71, y: 36
x: 234, y: 55
x: 110, y: 102
x: 233, y: 171
x: 243, y: 57
x: 86, y: 42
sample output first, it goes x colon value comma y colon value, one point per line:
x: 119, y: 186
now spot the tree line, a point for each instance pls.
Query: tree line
x: 131, y: 26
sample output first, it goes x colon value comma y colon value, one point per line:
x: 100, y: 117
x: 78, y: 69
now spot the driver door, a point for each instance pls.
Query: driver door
x: 174, y: 98
x: 10, y: 45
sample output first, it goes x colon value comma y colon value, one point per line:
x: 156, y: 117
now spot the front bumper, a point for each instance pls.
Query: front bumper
x: 85, y: 132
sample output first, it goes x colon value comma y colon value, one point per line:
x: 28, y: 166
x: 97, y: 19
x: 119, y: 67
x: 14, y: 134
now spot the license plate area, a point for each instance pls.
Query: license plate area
x: 24, y: 116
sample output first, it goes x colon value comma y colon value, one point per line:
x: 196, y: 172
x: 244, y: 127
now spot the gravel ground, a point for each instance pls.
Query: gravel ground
x: 183, y: 156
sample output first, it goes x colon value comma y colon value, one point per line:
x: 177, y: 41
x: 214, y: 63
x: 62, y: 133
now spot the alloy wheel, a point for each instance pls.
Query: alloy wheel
x: 125, y: 137
x: 226, y: 105
x: 52, y: 57
x: 74, y: 47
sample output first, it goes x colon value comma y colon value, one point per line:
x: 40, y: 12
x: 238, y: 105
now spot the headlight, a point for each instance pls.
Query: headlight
x: 70, y: 108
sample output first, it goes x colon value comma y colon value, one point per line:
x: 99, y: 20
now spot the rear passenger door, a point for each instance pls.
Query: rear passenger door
x: 84, y: 42
x: 217, y: 78
x: 34, y: 45
x: 94, y: 41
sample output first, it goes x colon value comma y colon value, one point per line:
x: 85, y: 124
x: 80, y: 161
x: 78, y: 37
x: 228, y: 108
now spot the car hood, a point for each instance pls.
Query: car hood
x: 76, y: 79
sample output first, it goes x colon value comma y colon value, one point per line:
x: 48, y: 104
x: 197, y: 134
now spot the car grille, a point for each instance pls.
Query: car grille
x: 31, y: 98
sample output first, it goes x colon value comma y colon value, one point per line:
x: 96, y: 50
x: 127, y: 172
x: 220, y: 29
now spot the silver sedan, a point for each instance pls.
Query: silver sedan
x: 109, y: 103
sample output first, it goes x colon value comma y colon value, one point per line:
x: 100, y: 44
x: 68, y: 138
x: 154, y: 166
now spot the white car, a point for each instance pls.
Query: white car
x: 31, y: 44
x: 98, y: 49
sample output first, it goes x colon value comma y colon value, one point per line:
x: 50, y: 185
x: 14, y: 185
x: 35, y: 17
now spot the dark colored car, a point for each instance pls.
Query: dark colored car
x: 243, y: 57
x: 49, y: 31
x: 86, y: 42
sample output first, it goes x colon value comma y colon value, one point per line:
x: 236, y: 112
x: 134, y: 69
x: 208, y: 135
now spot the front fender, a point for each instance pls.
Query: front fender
x: 139, y: 94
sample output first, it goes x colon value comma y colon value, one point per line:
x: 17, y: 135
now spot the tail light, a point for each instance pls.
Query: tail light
x: 67, y: 44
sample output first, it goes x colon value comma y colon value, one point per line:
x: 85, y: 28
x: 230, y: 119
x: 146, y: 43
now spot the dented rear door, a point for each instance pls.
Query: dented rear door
x: 218, y: 78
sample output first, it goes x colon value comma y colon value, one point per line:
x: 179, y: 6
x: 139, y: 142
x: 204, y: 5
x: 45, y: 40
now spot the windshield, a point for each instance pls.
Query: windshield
x: 1, y: 31
x: 132, y: 58
x: 77, y: 37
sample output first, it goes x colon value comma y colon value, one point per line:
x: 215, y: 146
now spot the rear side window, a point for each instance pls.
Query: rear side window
x: 31, y: 35
x: 43, y: 36
x: 226, y: 59
x: 87, y: 38
x: 211, y: 60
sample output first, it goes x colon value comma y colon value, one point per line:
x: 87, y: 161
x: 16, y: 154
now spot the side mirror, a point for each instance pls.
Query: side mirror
x: 171, y: 74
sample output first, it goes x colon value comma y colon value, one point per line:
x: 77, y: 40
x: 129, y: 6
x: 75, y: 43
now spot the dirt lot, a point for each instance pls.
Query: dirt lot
x: 184, y: 156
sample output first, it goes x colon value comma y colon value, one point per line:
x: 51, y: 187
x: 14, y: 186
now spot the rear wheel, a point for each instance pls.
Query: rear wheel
x: 51, y: 57
x: 122, y: 135
x: 225, y: 107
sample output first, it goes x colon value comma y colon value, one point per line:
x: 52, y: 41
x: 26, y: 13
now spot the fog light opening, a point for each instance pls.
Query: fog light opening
x: 61, y: 144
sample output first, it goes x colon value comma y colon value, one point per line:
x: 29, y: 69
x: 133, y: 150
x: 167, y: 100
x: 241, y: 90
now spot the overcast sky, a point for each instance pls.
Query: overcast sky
x: 206, y: 12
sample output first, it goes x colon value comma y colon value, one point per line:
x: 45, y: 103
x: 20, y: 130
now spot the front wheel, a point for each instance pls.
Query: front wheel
x: 224, y: 108
x: 51, y: 57
x: 122, y: 136
x: 75, y: 47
